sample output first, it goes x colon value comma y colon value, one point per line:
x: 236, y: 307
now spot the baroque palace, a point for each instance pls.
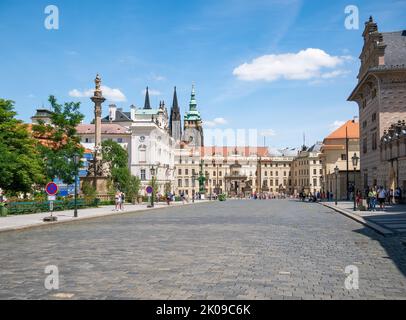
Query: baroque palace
x: 160, y: 146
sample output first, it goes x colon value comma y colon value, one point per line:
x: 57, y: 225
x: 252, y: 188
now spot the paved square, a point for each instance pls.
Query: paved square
x: 268, y: 249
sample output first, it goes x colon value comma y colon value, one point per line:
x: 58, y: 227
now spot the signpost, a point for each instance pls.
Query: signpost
x: 150, y: 191
x: 51, y: 189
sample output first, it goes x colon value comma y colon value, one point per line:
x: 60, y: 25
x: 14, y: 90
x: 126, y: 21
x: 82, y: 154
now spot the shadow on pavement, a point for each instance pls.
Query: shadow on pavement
x: 395, y: 247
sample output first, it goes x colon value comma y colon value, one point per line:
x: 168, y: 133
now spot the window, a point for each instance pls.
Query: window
x: 87, y: 140
x: 374, y: 141
x: 343, y: 157
x: 193, y: 172
x: 179, y: 172
x: 315, y: 182
x: 373, y: 93
x: 374, y: 117
x: 284, y: 173
x: 143, y: 175
x: 179, y: 182
x: 186, y: 183
x: 186, y: 172
x: 266, y: 173
x: 276, y: 173
x: 314, y: 171
x: 365, y: 145
x: 364, y: 124
x: 364, y: 103
x: 119, y: 140
x: 220, y: 173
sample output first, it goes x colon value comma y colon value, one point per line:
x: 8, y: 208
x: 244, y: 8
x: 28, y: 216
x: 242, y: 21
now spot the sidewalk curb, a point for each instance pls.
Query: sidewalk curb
x: 102, y: 215
x: 381, y: 230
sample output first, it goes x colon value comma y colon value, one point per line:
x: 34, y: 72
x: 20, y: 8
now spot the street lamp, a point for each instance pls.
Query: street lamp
x: 76, y: 160
x: 336, y: 172
x: 194, y: 176
x: 152, y: 171
x: 322, y: 187
x: 355, y: 159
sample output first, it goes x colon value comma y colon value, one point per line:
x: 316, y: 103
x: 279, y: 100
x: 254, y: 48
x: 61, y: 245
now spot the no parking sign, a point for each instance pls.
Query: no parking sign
x: 51, y: 188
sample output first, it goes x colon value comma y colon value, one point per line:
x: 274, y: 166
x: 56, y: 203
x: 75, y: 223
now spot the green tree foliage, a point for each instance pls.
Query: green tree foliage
x: 133, y: 188
x: 60, y: 141
x: 20, y: 163
x: 117, y: 160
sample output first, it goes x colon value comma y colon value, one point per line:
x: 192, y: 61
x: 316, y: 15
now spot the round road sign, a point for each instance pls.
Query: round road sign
x: 148, y: 189
x: 51, y: 188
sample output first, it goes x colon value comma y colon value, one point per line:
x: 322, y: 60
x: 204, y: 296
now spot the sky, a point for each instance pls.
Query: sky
x: 283, y: 67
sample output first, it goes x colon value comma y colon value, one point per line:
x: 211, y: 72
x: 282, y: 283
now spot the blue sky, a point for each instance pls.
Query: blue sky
x: 161, y: 44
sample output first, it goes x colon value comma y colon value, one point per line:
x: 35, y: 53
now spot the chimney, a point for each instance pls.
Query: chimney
x: 112, y: 112
x: 133, y: 108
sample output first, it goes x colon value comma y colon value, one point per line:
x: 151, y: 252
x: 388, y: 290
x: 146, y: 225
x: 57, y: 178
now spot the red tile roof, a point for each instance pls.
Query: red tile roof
x: 352, y: 128
x: 110, y: 128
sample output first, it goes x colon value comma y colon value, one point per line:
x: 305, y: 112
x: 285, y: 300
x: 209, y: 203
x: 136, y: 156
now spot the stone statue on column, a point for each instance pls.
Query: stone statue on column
x: 98, y: 171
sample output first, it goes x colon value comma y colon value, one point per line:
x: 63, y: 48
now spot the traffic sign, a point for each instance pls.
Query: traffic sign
x: 149, y: 189
x: 51, y: 188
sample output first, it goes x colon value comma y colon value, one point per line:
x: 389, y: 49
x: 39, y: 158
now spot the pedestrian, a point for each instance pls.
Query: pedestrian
x: 381, y: 198
x: 372, y: 199
x: 168, y: 198
x: 182, y: 197
x: 397, y: 195
x: 117, y: 200
x: 122, y: 200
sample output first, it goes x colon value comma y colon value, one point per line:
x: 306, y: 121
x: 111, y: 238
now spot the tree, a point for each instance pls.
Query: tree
x: 133, y: 188
x: 59, y: 141
x: 20, y: 162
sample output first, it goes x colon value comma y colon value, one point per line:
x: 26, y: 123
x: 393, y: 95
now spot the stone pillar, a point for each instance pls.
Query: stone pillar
x: 98, y: 99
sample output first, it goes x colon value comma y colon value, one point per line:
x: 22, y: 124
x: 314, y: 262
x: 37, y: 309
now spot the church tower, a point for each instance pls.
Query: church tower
x: 175, y: 127
x: 193, y: 128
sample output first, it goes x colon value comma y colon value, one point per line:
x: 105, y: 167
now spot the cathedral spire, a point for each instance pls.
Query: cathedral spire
x: 175, y: 105
x: 192, y: 103
x: 147, y: 104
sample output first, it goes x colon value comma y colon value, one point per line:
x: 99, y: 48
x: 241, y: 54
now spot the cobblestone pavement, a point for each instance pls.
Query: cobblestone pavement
x: 271, y: 249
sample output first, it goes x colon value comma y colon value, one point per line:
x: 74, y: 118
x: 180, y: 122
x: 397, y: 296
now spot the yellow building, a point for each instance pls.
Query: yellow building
x: 337, y: 151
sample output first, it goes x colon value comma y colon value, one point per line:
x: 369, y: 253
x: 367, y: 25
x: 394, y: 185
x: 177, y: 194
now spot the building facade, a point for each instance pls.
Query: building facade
x: 380, y: 94
x: 337, y: 151
x: 393, y: 153
x: 307, y: 170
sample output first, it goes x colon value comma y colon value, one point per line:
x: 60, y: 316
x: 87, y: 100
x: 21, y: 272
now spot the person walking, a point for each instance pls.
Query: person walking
x: 381, y: 198
x: 122, y: 200
x: 372, y: 199
x: 117, y: 200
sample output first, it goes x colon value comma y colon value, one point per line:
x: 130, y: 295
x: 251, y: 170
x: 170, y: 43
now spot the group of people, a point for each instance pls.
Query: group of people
x: 379, y: 195
x: 119, y: 199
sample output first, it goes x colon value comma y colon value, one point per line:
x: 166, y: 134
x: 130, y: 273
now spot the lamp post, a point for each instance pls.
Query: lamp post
x: 76, y: 160
x: 215, y: 166
x: 355, y: 159
x: 322, y: 187
x: 193, y: 186
x: 336, y: 171
x: 152, y: 171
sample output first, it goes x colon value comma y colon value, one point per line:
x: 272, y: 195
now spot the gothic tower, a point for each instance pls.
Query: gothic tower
x: 175, y: 127
x: 193, y: 128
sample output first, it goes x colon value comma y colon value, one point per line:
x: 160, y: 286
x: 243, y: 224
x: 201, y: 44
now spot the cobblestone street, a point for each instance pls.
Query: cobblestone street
x: 271, y: 249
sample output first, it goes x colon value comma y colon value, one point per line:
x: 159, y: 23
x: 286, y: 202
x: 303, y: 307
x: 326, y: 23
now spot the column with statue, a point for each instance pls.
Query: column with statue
x: 202, y: 180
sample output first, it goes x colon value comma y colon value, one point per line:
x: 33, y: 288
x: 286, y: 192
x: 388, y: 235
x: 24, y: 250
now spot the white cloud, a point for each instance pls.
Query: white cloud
x: 336, y: 124
x: 267, y: 133
x: 304, y: 65
x: 151, y: 92
x: 111, y: 94
x: 215, y: 122
x: 158, y: 77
